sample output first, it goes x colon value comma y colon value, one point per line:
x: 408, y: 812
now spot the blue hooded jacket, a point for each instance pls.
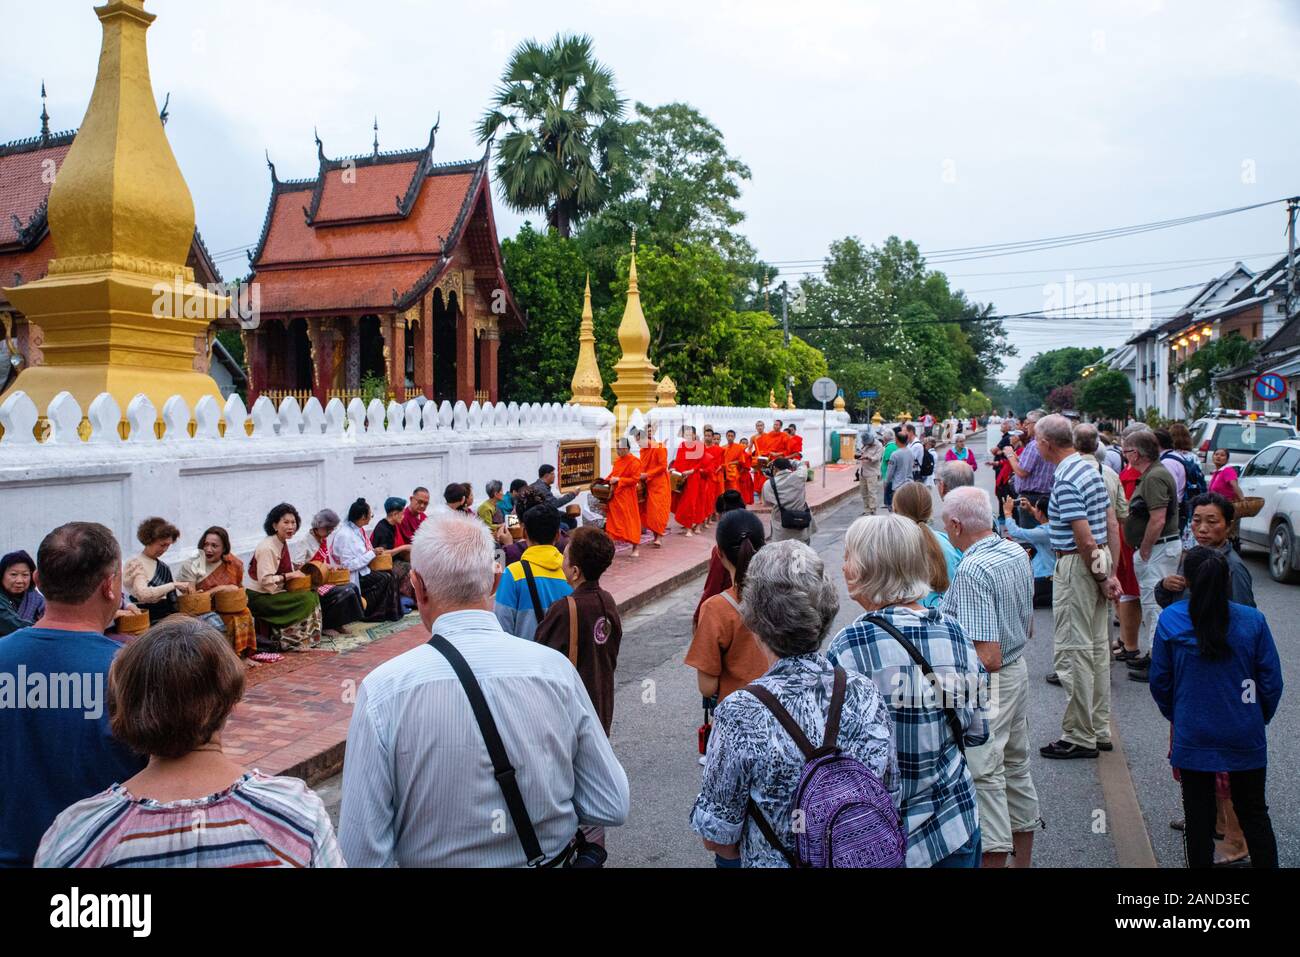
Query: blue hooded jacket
x: 1218, y: 708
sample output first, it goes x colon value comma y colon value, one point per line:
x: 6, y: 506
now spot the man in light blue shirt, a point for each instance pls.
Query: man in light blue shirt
x: 418, y: 784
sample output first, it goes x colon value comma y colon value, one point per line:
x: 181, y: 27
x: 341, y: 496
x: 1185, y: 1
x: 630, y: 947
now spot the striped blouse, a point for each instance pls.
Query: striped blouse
x: 259, y: 821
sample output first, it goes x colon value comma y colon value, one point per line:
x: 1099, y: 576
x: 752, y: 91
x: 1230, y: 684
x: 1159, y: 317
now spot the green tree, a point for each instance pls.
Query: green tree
x: 1196, y: 373
x: 564, y: 135
x: 883, y: 303
x: 546, y: 273
x: 1057, y: 367
x: 897, y: 392
x: 1107, y: 394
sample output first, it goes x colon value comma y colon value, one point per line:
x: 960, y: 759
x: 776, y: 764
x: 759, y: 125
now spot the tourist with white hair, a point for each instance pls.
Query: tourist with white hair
x: 451, y: 734
x: 992, y: 598
x: 899, y: 644
x: 746, y: 808
x: 1078, y: 512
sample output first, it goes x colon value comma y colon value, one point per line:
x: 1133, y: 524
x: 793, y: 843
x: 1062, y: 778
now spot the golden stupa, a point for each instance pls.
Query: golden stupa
x: 122, y: 221
x: 587, y: 385
x: 634, y: 382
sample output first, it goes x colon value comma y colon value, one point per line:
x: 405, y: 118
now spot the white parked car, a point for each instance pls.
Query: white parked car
x: 1274, y: 476
x: 1238, y: 432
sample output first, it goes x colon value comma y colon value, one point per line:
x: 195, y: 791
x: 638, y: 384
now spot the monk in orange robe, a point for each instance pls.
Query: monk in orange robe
x: 733, y: 459
x: 776, y: 441
x: 746, y: 478
x: 622, y: 516
x: 793, y: 444
x: 718, y: 481
x: 688, y: 461
x: 658, y: 490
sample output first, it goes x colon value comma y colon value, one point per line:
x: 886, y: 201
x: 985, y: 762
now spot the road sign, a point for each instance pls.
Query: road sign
x: 825, y: 389
x: 869, y: 394
x: 1270, y: 387
x: 864, y: 394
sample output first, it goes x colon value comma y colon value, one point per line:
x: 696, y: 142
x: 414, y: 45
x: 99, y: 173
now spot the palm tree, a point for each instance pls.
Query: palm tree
x: 563, y: 144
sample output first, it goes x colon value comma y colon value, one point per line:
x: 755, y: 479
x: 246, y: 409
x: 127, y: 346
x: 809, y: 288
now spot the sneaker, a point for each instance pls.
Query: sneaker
x: 1105, y: 746
x: 1052, y: 679
x: 701, y: 760
x: 1066, y: 750
x: 1143, y: 675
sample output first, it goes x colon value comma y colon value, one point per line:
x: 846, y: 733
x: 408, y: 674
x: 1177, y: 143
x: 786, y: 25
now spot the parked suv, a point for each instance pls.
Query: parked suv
x: 1242, y: 433
x: 1274, y: 476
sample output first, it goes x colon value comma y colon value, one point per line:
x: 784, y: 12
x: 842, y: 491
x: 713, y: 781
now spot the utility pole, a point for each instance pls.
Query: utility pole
x: 785, y: 325
x: 1291, y: 206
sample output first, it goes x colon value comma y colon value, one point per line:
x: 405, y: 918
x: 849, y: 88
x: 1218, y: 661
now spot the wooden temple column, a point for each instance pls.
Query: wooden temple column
x: 352, y: 375
x: 465, y: 351
x: 489, y: 345
x: 321, y: 334
x: 424, y: 350
x: 255, y: 360
x: 397, y: 358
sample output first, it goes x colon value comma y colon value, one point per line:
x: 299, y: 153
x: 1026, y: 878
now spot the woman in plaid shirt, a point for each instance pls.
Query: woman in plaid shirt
x: 886, y: 573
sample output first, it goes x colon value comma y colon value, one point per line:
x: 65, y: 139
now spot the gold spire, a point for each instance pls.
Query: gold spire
x: 771, y: 399
x: 119, y: 307
x: 839, y: 401
x: 666, y: 393
x: 587, y: 384
x: 789, y: 399
x: 634, y: 382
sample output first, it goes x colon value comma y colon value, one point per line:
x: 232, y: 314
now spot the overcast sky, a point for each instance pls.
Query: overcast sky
x: 954, y: 124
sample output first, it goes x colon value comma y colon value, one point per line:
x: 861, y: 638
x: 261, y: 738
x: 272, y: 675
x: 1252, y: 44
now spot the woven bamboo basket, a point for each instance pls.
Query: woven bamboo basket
x: 133, y: 624
x: 316, y: 572
x: 574, y: 509
x: 195, y: 603
x: 678, y: 480
x: 382, y: 563
x: 298, y: 584
x: 230, y: 602
x: 602, y: 491
x: 337, y: 576
x: 1249, y: 507
x: 640, y: 490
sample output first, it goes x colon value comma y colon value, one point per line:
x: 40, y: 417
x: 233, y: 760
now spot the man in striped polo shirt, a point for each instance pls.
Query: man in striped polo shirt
x: 1082, y: 585
x: 992, y: 597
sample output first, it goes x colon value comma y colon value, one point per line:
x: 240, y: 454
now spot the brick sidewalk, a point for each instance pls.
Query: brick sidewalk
x: 297, y: 723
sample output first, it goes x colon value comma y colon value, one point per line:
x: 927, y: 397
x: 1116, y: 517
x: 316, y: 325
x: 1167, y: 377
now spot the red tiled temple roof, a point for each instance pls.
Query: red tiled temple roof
x: 367, y: 286
x: 373, y: 233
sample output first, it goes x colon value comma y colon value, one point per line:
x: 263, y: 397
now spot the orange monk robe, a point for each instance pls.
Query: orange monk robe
x: 622, y: 516
x: 658, y: 490
x: 733, y: 460
x: 763, y: 447
x: 718, y: 482
x: 794, y: 447
x: 689, y: 461
x: 778, y: 445
x: 747, y: 476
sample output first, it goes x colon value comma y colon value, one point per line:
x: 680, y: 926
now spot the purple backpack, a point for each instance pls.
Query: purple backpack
x: 848, y: 818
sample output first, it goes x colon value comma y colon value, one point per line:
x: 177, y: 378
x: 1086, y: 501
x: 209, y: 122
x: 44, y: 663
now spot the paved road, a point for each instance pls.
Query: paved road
x: 657, y: 711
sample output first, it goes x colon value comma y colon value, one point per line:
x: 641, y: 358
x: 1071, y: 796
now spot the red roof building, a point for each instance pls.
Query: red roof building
x: 27, y: 171
x: 385, y: 265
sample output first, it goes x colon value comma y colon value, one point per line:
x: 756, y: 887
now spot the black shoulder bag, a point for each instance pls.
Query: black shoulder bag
x: 954, y: 722
x: 532, y: 591
x: 789, y: 517
x: 504, y: 771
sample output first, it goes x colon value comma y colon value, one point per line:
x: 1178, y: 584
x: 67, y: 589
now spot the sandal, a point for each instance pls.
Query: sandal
x: 1125, y: 655
x: 1235, y: 862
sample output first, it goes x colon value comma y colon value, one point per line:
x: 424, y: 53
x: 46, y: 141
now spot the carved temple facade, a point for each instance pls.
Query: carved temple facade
x: 385, y: 265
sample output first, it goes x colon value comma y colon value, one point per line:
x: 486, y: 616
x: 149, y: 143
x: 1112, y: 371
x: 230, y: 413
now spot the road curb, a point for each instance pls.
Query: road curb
x: 1125, y: 821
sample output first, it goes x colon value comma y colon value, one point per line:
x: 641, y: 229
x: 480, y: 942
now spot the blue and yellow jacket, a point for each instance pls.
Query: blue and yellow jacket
x: 514, y: 605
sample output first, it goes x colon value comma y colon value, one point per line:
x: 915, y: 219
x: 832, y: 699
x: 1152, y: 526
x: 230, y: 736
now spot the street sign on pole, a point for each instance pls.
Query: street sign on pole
x: 1270, y: 387
x: 824, y: 390
x: 870, y: 394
